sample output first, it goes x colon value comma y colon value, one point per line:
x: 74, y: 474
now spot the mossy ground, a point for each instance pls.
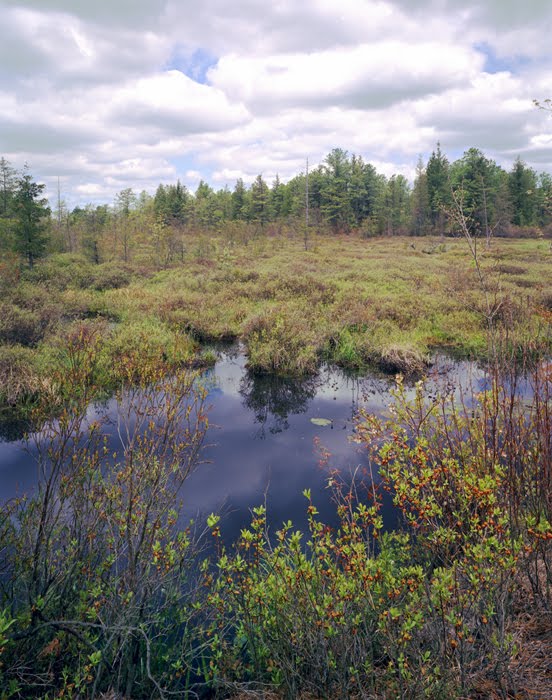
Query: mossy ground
x: 351, y: 301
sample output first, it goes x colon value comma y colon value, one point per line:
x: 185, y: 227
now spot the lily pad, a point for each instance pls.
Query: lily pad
x: 321, y: 421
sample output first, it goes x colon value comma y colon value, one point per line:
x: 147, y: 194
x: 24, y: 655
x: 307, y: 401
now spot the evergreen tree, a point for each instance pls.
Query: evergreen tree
x: 7, y: 191
x: 203, y: 206
x: 358, y: 194
x: 316, y: 183
x: 522, y: 185
x: 260, y: 201
x: 438, y: 188
x: 473, y: 176
x: 125, y: 201
x: 375, y: 185
x: 293, y: 205
x: 336, y: 204
x: 160, y: 205
x: 222, y: 206
x: 176, y: 204
x: 420, y: 201
x: 276, y: 199
x: 502, y: 210
x: 145, y: 201
x: 30, y: 214
x: 396, y: 205
x: 239, y: 202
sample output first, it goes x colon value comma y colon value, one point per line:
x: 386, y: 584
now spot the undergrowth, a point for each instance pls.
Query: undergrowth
x: 350, y: 301
x: 103, y: 590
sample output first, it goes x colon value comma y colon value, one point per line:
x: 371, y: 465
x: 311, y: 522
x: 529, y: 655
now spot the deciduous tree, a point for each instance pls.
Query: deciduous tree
x: 7, y: 187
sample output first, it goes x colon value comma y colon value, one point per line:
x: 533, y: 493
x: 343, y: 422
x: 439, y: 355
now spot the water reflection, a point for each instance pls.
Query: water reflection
x: 13, y: 428
x: 273, y: 399
x: 262, y: 440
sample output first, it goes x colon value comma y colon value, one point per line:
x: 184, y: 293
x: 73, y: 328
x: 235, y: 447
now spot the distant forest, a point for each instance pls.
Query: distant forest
x: 345, y: 194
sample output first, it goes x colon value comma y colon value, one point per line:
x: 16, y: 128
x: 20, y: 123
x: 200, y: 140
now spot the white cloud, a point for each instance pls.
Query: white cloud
x: 91, y: 91
x: 363, y: 76
x: 172, y: 102
x: 89, y: 189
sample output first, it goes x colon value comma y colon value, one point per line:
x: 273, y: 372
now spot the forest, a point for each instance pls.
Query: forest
x: 106, y: 593
x: 345, y: 194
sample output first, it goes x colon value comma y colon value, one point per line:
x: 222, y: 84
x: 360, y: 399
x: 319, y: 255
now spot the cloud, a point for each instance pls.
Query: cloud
x: 121, y: 94
x: 125, y: 13
x: 363, y: 76
x: 171, y: 102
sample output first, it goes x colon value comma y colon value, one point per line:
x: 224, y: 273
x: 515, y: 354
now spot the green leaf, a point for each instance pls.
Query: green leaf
x: 212, y: 520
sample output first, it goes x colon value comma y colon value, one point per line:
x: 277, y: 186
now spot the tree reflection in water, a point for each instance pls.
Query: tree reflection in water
x: 14, y: 428
x: 272, y: 399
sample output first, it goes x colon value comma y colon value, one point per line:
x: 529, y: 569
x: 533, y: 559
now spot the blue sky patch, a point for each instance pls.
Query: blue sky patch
x: 193, y: 64
x: 184, y: 164
x: 500, y: 64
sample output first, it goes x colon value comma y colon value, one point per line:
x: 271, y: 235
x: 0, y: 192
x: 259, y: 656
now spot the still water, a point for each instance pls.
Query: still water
x: 262, y: 442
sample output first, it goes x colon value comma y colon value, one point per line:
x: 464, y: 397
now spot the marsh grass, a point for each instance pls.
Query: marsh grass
x: 381, y: 302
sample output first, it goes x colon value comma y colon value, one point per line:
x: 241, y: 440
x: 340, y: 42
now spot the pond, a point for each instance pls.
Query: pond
x: 262, y: 443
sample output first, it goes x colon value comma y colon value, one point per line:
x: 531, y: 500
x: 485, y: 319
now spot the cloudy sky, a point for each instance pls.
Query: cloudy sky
x: 109, y: 94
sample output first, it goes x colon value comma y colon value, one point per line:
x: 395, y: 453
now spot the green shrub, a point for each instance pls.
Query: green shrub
x: 19, y: 380
x: 283, y: 340
x: 20, y: 326
x: 109, y: 276
x: 148, y: 341
x: 95, y: 567
x: 61, y: 271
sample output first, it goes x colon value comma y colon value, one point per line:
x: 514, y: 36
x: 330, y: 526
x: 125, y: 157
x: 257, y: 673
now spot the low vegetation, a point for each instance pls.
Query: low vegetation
x: 347, y: 300
x: 105, y: 590
x: 438, y: 609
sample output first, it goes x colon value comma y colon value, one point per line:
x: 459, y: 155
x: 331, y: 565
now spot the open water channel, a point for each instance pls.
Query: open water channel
x: 262, y: 443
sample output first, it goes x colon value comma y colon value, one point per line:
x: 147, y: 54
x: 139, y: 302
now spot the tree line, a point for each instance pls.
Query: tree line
x: 345, y: 194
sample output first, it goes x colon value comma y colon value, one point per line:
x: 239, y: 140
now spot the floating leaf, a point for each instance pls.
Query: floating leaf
x: 321, y: 421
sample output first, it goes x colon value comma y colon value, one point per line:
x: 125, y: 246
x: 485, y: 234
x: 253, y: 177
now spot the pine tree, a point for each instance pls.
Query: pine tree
x: 276, y: 199
x: 203, y: 206
x: 160, y: 205
x: 176, y: 204
x: 239, y: 202
x: 420, y: 201
x: 336, y: 203
x: 522, y: 185
x: 481, y: 184
x: 357, y: 191
x: 259, y: 201
x: 438, y: 188
x: 30, y: 213
x: 544, y: 199
x: 396, y: 205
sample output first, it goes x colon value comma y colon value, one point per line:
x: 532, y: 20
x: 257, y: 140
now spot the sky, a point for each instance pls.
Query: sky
x: 111, y: 94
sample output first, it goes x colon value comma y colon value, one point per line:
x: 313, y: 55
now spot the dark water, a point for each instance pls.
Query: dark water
x: 262, y: 443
